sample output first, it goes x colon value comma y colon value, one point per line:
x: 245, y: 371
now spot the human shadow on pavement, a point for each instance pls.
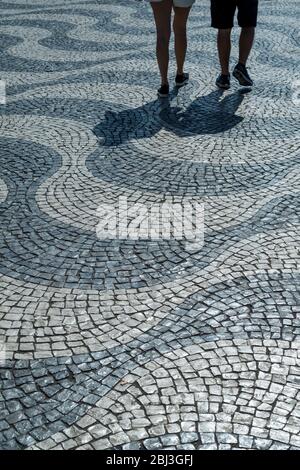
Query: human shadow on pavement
x: 206, y: 115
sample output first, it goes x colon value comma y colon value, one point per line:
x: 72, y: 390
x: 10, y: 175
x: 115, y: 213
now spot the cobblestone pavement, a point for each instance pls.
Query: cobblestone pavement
x: 142, y: 344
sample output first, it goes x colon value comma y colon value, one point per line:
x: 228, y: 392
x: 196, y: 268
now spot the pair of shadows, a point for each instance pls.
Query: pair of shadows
x: 206, y: 115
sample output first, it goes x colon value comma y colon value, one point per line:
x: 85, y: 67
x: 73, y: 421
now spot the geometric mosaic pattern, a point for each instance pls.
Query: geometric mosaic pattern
x: 123, y: 344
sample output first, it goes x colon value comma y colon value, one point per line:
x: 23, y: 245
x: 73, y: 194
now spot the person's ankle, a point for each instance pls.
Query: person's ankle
x: 241, y: 63
x: 226, y: 73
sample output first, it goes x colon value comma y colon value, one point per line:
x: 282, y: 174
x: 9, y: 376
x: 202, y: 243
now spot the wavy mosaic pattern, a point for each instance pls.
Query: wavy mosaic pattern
x: 139, y: 344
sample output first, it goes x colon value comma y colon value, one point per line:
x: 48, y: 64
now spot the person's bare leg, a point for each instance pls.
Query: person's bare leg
x: 162, y: 14
x: 179, y: 27
x: 224, y: 48
x: 246, y: 43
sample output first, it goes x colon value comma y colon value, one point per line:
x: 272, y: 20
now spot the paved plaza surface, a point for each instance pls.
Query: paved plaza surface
x: 144, y: 344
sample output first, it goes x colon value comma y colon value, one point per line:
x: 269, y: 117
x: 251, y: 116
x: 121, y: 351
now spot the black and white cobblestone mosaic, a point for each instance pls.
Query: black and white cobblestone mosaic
x: 142, y: 344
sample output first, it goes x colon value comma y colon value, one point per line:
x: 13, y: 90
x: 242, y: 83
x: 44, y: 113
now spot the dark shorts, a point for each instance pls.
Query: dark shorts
x: 223, y: 12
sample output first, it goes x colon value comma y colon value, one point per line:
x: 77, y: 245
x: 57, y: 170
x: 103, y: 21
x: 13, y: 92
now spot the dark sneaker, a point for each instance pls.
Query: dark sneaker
x: 241, y: 74
x: 223, y: 81
x: 181, y: 80
x: 163, y: 91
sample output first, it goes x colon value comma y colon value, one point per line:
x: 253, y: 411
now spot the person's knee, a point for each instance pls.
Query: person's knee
x: 225, y: 32
x: 248, y: 30
x: 163, y: 36
x: 179, y: 28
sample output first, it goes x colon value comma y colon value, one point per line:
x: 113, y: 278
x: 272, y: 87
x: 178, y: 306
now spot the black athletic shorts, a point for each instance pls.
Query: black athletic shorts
x: 223, y: 12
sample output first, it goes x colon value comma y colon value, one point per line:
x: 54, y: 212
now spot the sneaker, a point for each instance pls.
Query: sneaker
x: 223, y: 81
x: 163, y: 91
x: 241, y: 74
x: 182, y: 79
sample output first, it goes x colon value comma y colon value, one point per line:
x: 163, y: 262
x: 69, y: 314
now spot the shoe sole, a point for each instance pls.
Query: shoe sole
x: 179, y: 85
x: 243, y: 81
x: 223, y: 87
